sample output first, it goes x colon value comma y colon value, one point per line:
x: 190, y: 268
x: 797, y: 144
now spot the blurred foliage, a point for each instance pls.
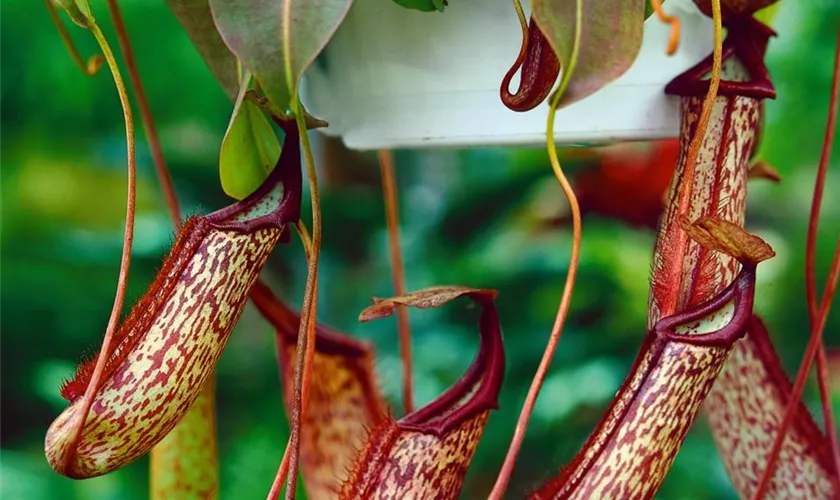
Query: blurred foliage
x: 469, y: 217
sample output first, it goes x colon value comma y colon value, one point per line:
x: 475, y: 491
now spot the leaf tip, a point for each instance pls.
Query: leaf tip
x: 426, y: 298
x: 728, y: 238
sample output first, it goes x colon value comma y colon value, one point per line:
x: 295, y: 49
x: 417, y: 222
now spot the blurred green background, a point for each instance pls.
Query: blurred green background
x: 469, y: 217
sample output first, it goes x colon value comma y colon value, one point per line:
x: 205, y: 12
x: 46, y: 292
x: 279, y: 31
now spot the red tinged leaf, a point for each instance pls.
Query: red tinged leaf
x: 344, y: 400
x: 426, y: 453
x: 727, y: 238
x: 745, y: 411
x: 422, y: 299
x: 169, y: 344
x: 631, y: 450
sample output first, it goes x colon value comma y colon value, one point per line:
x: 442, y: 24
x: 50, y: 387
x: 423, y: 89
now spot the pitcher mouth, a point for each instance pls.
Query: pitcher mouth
x: 739, y: 294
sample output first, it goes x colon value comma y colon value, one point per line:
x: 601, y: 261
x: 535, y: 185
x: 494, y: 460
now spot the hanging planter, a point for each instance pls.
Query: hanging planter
x: 399, y: 78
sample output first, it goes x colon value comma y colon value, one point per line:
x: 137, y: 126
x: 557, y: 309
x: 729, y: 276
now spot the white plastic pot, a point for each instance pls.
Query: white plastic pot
x: 396, y: 78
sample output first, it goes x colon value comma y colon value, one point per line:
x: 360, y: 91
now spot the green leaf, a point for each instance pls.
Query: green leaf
x: 595, y: 40
x: 197, y: 20
x: 278, y: 39
x: 249, y: 149
x: 422, y: 5
x: 78, y: 10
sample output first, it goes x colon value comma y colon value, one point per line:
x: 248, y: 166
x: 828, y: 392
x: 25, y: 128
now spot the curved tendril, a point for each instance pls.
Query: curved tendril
x: 164, y: 176
x: 91, y: 67
x: 306, y: 241
x: 562, y: 311
x: 674, y: 21
x: 128, y: 237
x: 306, y: 333
x: 392, y: 214
x: 670, y: 307
x: 818, y: 317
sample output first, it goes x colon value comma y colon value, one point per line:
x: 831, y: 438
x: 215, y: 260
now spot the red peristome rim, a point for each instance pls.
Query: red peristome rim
x: 287, y: 173
x: 747, y: 39
x: 741, y: 290
x: 487, y: 371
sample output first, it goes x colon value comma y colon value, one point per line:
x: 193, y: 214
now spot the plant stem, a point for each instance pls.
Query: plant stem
x: 283, y: 470
x: 392, y: 215
x: 91, y: 67
x: 128, y: 237
x: 306, y: 333
x: 818, y: 317
x: 309, y: 352
x: 563, y: 309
